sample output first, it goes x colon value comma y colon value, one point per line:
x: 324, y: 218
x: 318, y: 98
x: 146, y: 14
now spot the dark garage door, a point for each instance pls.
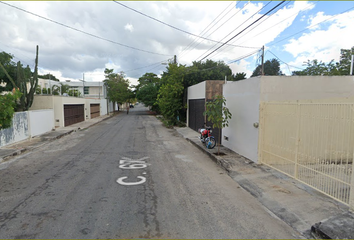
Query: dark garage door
x: 195, y: 113
x: 95, y: 110
x: 73, y: 114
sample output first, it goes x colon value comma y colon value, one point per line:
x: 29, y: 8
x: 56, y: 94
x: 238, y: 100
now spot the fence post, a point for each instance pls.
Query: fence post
x: 351, y: 192
x: 297, y: 140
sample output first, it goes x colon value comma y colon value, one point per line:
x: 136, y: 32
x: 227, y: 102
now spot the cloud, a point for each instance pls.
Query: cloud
x: 129, y: 27
x: 72, y: 53
x: 323, y: 42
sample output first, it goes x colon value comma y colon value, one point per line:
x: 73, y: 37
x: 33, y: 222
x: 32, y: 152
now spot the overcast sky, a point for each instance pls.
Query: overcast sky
x: 77, y: 38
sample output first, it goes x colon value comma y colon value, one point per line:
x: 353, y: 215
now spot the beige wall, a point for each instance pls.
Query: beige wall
x: 290, y: 88
x: 42, y: 102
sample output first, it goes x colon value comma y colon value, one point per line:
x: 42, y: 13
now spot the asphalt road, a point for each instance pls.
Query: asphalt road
x: 127, y: 177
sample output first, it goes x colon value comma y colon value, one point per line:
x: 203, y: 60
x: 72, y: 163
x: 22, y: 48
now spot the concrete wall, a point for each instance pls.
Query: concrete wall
x: 40, y: 121
x: 42, y: 102
x: 197, y: 91
x: 242, y: 99
x: 283, y: 88
x: 17, y: 132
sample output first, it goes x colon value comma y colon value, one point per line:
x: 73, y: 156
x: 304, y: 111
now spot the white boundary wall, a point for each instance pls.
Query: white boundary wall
x: 242, y: 99
x: 40, y: 121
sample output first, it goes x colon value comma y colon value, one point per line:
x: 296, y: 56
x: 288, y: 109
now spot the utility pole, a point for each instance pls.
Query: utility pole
x: 175, y: 59
x: 50, y: 85
x: 262, y: 72
x: 83, y: 84
x: 351, y: 66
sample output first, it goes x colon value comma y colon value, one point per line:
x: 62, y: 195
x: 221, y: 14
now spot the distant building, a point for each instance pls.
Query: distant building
x: 87, y: 89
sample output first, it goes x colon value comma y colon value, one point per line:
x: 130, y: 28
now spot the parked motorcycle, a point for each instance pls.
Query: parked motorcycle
x: 206, y: 137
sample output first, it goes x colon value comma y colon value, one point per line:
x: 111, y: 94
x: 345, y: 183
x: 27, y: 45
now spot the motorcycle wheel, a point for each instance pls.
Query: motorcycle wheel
x: 210, y: 142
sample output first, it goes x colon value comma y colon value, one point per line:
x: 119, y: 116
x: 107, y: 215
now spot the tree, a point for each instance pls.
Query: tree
x: 23, y: 77
x: 147, y: 94
x: 319, y: 68
x: 7, y: 105
x: 170, y: 95
x: 117, y: 87
x: 237, y: 76
x: 148, y: 78
x: 218, y: 114
x: 49, y: 76
x: 208, y: 70
x: 147, y: 90
x: 7, y: 71
x: 271, y: 68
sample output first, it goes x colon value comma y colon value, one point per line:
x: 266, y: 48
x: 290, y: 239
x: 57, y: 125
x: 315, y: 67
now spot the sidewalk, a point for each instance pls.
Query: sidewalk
x: 308, y: 211
x: 17, y: 148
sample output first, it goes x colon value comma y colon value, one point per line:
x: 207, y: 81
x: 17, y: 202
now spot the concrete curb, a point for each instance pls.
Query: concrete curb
x: 219, y: 160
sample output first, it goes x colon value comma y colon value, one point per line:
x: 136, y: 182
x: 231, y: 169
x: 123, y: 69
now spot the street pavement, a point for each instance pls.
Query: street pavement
x: 152, y: 184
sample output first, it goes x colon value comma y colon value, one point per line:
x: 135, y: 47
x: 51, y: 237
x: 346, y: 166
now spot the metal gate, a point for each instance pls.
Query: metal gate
x: 73, y: 113
x: 95, y: 110
x: 195, y: 113
x: 312, y: 142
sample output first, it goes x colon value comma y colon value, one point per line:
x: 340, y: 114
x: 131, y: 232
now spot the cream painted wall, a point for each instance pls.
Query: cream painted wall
x: 283, y: 88
x: 242, y: 99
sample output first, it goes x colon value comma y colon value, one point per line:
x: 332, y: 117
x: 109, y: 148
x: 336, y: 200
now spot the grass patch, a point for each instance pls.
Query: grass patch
x: 168, y: 124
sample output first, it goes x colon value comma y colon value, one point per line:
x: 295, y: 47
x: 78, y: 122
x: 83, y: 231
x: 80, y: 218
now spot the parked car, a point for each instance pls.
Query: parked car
x: 131, y: 106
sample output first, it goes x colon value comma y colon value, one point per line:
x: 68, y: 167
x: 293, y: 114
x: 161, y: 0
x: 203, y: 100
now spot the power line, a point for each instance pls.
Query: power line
x: 176, y: 28
x: 311, y: 26
x: 277, y: 23
x: 244, y: 29
x: 235, y: 28
x: 195, y: 41
x: 288, y: 65
x: 78, y: 30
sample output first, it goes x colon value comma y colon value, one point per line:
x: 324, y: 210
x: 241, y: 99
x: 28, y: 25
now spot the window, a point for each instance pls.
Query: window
x: 86, y: 90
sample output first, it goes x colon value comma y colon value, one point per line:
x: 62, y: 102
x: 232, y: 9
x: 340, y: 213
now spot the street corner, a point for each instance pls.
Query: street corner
x: 337, y: 227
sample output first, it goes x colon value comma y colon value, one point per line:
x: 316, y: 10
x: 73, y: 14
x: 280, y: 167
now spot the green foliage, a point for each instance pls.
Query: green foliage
x: 74, y: 93
x: 319, y: 68
x: 217, y: 113
x: 147, y: 94
x: 7, y: 105
x: 118, y: 90
x: 237, y: 76
x: 208, y: 70
x: 147, y: 90
x: 9, y: 71
x: 55, y: 90
x: 48, y: 76
x: 38, y: 90
x: 23, y: 78
x: 148, y: 78
x: 271, y: 68
x: 64, y: 88
x: 44, y: 91
x: 170, y: 95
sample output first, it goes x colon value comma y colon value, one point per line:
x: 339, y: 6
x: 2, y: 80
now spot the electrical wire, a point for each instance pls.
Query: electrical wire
x: 288, y: 65
x: 311, y: 26
x: 81, y: 31
x: 244, y: 29
x: 277, y: 23
x: 247, y: 32
x: 176, y: 28
x: 192, y: 43
x: 234, y: 30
